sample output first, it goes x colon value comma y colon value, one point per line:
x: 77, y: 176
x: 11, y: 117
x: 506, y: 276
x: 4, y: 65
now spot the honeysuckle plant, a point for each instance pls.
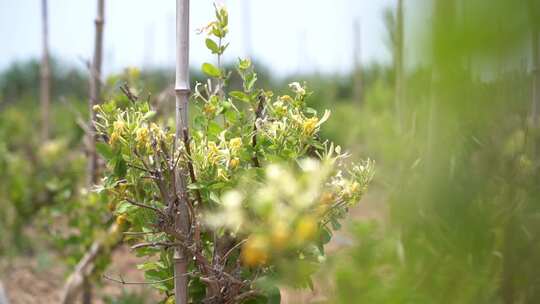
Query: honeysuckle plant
x: 264, y: 191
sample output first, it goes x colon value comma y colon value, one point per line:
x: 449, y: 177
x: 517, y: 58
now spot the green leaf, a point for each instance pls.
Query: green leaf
x: 240, y: 96
x: 194, y: 186
x: 215, y: 198
x: 231, y: 116
x: 120, y: 166
x: 214, y: 129
x: 211, y: 70
x: 269, y: 291
x: 244, y: 64
x: 125, y: 207
x: 148, y: 266
x: 212, y: 46
x: 223, y: 48
x: 249, y: 82
x: 104, y: 150
x: 149, y: 115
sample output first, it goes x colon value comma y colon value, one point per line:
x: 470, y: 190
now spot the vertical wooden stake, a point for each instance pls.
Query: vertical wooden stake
x: 358, y: 81
x: 95, y: 92
x: 399, y: 64
x: 45, y: 83
x: 535, y: 85
x: 182, y: 91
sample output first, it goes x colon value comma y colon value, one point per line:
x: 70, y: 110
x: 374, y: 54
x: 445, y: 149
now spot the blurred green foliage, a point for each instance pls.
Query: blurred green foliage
x: 462, y: 175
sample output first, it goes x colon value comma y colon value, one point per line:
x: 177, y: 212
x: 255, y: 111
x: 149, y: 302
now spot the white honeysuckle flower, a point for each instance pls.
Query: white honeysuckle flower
x: 232, y: 200
x: 297, y: 88
x: 309, y: 165
x: 324, y: 118
x: 232, y: 216
x: 274, y: 172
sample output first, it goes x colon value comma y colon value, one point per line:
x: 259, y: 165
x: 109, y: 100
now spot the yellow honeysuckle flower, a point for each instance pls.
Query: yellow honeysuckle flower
x: 233, y: 163
x: 119, y: 126
x: 352, y: 188
x: 141, y: 135
x: 114, y: 138
x: 286, y: 98
x: 157, y: 131
x: 235, y: 144
x: 213, y: 152
x: 309, y: 125
x: 280, y: 108
x: 121, y: 220
x: 209, y: 109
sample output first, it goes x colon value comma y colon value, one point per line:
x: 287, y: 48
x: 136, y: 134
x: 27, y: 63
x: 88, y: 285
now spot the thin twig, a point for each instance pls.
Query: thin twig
x: 258, y: 114
x: 121, y: 281
x: 154, y: 244
x: 145, y: 206
x: 141, y: 232
x: 125, y: 89
x: 232, y: 249
x: 140, y: 168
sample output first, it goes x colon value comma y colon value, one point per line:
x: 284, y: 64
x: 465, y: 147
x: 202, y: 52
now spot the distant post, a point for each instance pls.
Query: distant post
x: 95, y: 91
x: 45, y: 73
x: 357, y: 72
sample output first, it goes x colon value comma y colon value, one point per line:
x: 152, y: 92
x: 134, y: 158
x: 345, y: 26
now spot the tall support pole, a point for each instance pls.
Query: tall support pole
x: 182, y: 92
x: 95, y: 92
x: 398, y: 57
x: 534, y: 9
x: 45, y: 73
x: 357, y: 49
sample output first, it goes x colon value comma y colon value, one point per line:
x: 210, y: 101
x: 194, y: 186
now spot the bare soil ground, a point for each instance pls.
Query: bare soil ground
x: 28, y: 282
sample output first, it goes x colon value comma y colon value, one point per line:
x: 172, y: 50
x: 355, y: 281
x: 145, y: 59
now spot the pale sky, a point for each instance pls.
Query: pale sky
x: 288, y: 35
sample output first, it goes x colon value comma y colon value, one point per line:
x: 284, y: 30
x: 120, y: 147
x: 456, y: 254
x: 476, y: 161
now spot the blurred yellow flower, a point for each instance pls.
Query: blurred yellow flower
x: 327, y: 198
x: 133, y: 73
x: 280, y: 235
x: 255, y: 251
x: 305, y: 229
